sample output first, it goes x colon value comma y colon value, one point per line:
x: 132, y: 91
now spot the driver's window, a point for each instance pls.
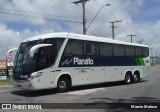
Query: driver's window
x: 43, y: 58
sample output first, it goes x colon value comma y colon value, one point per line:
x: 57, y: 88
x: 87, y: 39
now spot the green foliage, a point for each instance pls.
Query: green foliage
x: 6, y: 82
x: 154, y: 64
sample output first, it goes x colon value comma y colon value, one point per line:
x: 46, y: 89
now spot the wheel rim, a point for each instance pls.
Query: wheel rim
x: 128, y: 79
x: 136, y: 78
x: 62, y: 85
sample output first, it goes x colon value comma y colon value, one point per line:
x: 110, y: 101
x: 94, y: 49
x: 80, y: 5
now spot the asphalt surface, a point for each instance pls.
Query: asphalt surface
x: 146, y: 91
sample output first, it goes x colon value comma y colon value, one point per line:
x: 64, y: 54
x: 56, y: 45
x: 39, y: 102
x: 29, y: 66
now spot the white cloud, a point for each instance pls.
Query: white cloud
x: 35, y: 12
x: 8, y: 39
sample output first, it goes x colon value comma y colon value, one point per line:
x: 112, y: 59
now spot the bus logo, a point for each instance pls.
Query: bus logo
x: 78, y: 61
x: 67, y: 62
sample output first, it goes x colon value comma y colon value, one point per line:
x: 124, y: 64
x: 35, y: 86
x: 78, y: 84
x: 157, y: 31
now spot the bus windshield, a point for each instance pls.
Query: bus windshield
x: 43, y: 57
x: 24, y: 64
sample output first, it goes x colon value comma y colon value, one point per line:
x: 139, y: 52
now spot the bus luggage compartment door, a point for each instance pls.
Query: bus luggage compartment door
x: 97, y: 75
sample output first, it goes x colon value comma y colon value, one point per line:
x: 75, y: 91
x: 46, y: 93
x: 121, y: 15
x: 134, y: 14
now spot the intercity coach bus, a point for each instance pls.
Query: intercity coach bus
x: 63, y: 60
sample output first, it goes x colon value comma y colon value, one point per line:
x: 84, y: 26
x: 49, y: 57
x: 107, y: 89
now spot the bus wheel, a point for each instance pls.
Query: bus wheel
x: 136, y: 78
x: 63, y: 85
x: 128, y: 78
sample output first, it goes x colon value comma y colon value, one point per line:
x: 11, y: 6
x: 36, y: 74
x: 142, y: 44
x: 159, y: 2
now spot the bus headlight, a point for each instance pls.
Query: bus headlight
x: 35, y: 76
x: 29, y: 79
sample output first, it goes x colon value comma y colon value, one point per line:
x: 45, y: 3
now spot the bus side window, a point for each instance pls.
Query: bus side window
x: 139, y: 52
x: 87, y: 49
x: 105, y: 49
x: 91, y: 48
x: 44, y: 58
x: 129, y: 51
x: 118, y: 50
x: 67, y: 51
x: 41, y: 59
x: 145, y: 52
x: 73, y: 47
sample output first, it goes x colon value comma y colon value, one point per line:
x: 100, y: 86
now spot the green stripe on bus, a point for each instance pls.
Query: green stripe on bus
x: 139, y: 61
x: 142, y: 61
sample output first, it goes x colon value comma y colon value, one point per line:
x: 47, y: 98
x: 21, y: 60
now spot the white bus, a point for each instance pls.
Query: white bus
x: 63, y: 60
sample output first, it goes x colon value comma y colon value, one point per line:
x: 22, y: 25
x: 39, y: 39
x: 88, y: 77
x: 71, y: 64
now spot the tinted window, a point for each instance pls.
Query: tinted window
x: 118, y: 50
x: 105, y: 49
x: 90, y: 48
x: 46, y: 56
x: 73, y: 47
x: 145, y: 52
x: 130, y: 51
x: 139, y: 52
x: 56, y: 43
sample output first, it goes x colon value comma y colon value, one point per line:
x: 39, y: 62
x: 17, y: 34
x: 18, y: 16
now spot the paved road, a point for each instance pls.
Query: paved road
x: 147, y: 90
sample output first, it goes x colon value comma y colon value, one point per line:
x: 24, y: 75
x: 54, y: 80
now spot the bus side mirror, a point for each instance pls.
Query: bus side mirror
x: 34, y: 48
x: 11, y: 50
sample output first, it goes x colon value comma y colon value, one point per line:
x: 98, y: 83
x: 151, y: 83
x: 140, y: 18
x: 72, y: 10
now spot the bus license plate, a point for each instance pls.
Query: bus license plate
x: 18, y: 85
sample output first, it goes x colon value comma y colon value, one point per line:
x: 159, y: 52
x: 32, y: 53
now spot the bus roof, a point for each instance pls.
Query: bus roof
x: 80, y: 37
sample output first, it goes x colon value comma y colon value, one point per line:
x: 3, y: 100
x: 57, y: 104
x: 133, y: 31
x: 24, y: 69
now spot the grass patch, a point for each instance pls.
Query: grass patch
x: 154, y: 64
x: 7, y: 81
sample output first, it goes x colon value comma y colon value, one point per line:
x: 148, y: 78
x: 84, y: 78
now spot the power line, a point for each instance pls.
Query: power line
x: 97, y: 14
x: 141, y: 24
x: 36, y: 13
x: 23, y: 16
x: 90, y: 31
x: 151, y: 54
x: 40, y: 19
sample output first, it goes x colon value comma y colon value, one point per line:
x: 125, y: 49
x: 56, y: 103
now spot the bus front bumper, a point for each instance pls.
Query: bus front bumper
x: 24, y: 84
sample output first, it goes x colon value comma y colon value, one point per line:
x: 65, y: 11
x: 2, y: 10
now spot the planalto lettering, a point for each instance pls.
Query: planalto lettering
x: 78, y: 61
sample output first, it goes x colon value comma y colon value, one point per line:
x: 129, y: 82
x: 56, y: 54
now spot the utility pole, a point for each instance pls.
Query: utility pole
x: 151, y: 55
x: 156, y: 54
x: 84, y: 18
x: 113, y: 27
x: 131, y: 35
x: 156, y: 57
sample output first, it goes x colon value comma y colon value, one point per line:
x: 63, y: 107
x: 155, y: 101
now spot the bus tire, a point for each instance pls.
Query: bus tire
x: 136, y: 78
x: 63, y: 85
x: 128, y: 78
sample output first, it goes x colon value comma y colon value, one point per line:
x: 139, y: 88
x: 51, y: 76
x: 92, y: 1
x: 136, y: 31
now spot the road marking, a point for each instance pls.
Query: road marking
x: 2, y: 91
x: 83, y: 92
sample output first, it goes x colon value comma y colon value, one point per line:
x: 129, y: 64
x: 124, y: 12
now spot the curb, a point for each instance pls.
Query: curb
x: 6, y: 85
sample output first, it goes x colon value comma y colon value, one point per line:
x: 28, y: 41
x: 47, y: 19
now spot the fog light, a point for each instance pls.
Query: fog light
x: 29, y: 79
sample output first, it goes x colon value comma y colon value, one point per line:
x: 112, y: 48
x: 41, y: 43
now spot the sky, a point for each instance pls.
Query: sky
x: 21, y: 19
